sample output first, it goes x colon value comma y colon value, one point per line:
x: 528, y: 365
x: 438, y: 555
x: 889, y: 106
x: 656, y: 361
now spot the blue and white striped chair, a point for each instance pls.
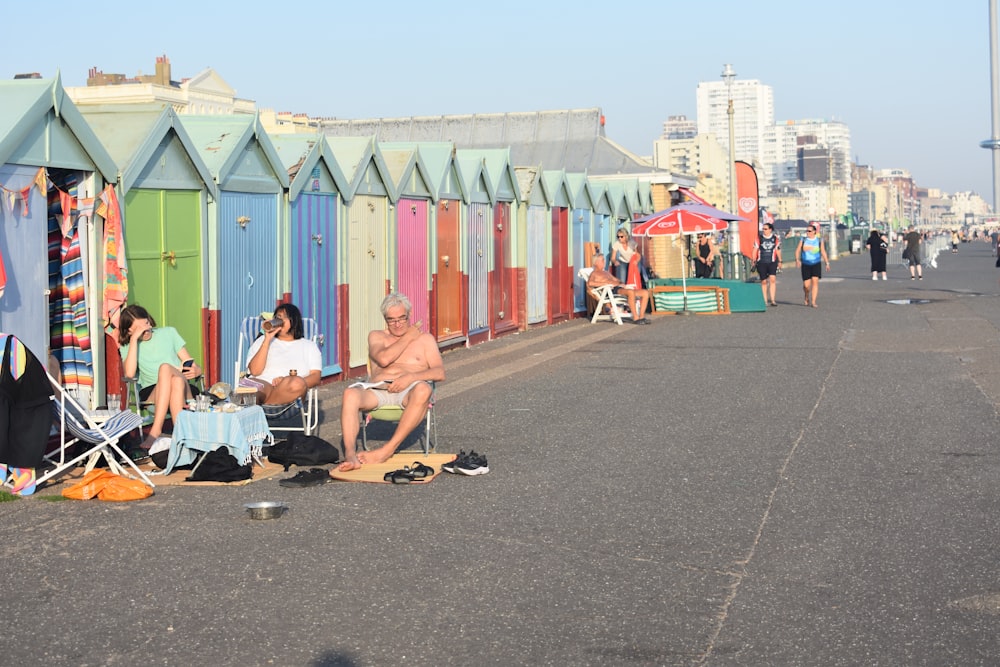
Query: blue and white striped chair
x: 76, y: 426
x: 309, y: 406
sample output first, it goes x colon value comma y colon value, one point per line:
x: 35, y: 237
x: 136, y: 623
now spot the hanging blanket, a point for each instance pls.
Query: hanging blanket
x: 115, y: 266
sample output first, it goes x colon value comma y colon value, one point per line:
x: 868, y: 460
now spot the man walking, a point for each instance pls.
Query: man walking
x: 767, y: 255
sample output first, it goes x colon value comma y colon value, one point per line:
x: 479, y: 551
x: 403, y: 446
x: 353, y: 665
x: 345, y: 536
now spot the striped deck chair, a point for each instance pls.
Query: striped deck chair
x: 99, y: 440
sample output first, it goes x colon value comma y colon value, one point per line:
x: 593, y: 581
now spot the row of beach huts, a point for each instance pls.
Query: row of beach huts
x: 208, y: 219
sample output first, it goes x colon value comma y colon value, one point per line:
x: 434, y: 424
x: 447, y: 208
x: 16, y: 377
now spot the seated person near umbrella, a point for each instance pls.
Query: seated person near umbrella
x: 637, y: 297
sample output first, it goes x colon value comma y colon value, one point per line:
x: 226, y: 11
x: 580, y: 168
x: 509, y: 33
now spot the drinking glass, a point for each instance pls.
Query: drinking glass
x: 114, y: 403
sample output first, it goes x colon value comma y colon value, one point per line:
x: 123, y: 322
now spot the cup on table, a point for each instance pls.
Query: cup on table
x: 114, y: 403
x: 202, y: 403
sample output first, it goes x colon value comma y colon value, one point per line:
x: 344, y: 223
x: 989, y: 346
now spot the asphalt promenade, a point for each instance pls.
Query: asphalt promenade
x: 797, y: 487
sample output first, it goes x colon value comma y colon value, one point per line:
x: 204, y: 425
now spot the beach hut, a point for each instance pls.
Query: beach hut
x: 478, y: 190
x: 164, y: 188
x: 365, y: 210
x: 560, y: 274
x: 534, y: 211
x: 53, y: 171
x: 244, y: 249
x: 583, y: 233
x: 411, y: 237
x: 313, y: 235
x: 604, y: 230
x: 444, y: 247
x: 503, y: 275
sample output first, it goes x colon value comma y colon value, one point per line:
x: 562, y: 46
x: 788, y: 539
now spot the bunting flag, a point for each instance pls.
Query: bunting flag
x: 42, y: 182
x: 747, y: 200
x: 115, y: 265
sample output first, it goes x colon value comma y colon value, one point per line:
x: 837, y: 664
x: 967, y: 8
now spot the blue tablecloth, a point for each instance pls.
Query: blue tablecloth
x: 243, y: 433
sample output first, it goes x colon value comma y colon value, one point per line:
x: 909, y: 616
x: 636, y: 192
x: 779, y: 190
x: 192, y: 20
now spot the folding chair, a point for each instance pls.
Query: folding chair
x: 309, y: 407
x: 101, y: 440
x: 617, y: 304
x: 393, y: 413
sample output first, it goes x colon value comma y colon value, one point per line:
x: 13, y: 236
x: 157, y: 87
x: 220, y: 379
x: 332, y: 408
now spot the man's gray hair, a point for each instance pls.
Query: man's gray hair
x: 393, y: 300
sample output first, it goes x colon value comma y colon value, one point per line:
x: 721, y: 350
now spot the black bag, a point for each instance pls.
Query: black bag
x: 221, y: 466
x: 303, y: 450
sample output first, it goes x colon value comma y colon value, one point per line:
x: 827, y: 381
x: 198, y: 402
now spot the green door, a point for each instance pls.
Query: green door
x: 163, y: 246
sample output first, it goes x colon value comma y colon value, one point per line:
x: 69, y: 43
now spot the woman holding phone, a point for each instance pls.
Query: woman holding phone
x: 163, y: 365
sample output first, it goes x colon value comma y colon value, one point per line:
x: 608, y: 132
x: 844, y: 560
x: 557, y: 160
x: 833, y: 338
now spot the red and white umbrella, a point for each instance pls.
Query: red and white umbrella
x: 688, y: 218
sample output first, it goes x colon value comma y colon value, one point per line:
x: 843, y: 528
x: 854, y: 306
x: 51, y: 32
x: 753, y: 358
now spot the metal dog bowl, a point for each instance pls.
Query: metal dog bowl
x: 266, y: 510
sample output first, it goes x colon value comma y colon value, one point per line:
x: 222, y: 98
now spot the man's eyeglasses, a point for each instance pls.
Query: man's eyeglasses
x: 621, y: 236
x: 397, y: 320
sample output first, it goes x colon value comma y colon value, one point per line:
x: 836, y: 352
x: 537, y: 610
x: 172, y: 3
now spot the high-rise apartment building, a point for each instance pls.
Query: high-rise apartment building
x: 753, y: 107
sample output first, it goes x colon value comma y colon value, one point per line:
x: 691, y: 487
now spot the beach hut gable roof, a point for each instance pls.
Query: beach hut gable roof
x: 409, y: 173
x: 29, y: 135
x: 136, y: 137
x: 300, y: 154
x: 556, y: 189
x: 237, y: 151
x: 475, y: 179
x: 364, y: 166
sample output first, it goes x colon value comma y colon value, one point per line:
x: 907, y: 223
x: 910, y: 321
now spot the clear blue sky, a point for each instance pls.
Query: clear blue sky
x: 911, y: 79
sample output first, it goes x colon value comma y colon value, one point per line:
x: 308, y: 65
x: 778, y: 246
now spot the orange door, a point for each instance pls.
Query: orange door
x: 449, y: 272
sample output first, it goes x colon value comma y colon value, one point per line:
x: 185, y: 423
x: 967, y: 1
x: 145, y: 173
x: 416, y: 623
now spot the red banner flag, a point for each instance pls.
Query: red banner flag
x: 747, y: 199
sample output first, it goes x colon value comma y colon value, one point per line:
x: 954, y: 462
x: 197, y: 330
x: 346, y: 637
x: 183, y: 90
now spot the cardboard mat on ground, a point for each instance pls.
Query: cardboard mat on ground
x: 375, y: 472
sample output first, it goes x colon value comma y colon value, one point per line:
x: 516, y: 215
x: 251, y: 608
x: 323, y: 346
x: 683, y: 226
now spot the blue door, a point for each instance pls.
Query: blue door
x: 314, y: 268
x: 248, y: 252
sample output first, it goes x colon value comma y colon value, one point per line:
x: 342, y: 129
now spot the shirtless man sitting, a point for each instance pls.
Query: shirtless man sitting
x: 408, y: 360
x: 637, y: 298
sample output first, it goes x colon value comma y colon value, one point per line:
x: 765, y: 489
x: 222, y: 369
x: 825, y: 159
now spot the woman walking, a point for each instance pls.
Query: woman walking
x: 878, y: 246
x: 811, y: 256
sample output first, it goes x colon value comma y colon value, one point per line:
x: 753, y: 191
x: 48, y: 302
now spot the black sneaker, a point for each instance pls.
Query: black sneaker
x: 450, y: 466
x: 474, y: 464
x: 311, y: 477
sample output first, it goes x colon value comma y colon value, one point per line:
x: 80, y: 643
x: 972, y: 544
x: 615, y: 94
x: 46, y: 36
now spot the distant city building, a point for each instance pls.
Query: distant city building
x: 679, y: 127
x: 204, y: 93
x: 753, y: 107
x: 701, y: 156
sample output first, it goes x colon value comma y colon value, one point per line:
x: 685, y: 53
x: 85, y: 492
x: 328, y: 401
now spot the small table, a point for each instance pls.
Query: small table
x: 243, y: 433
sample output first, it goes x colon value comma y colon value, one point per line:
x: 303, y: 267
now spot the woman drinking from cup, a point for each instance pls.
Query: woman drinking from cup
x: 284, y: 363
x: 163, y: 365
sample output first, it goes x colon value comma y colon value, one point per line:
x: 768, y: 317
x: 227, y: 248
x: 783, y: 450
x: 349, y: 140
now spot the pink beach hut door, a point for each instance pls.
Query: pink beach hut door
x: 411, y: 256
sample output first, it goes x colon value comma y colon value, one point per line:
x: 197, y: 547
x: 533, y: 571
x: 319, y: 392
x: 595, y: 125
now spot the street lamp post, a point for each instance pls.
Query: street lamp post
x: 728, y: 74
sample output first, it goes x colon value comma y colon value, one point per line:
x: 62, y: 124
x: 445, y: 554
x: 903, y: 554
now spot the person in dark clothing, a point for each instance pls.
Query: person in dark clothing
x: 878, y: 247
x: 25, y: 415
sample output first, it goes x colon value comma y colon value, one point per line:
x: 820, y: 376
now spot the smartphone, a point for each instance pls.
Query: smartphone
x: 189, y: 363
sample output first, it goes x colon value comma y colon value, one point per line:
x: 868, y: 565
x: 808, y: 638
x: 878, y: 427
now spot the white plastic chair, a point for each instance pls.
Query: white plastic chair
x: 605, y: 296
x: 250, y: 327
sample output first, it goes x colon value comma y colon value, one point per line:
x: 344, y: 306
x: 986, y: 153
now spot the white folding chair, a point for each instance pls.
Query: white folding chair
x: 618, y: 307
x: 307, y: 407
x: 76, y: 425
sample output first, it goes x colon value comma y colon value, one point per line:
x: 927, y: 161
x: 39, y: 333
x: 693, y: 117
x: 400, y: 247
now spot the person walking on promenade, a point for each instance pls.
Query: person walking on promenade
x: 878, y: 247
x: 913, y: 240
x: 767, y: 255
x: 811, y: 256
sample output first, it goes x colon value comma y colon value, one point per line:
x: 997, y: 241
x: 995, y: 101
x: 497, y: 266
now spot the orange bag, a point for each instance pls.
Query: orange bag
x: 106, y: 485
x: 119, y: 489
x: 88, y: 487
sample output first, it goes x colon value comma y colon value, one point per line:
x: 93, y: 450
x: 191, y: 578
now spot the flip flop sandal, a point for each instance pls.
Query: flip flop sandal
x: 420, y: 471
x: 404, y: 476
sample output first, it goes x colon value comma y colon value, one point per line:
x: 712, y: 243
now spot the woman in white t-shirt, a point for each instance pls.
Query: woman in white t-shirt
x: 284, y: 363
